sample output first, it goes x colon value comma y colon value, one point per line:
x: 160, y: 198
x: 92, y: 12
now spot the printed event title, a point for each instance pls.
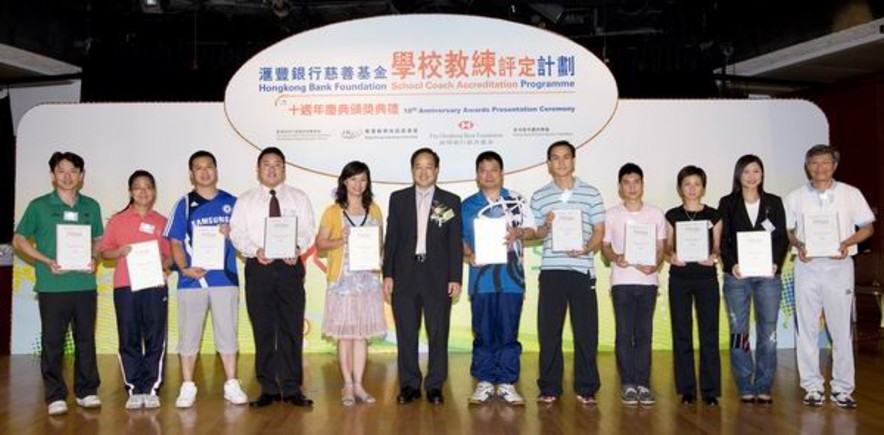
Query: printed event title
x: 428, y: 72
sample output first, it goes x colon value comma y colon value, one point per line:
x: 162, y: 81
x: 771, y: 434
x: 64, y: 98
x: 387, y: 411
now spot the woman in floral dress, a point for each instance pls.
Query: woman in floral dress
x: 354, y: 310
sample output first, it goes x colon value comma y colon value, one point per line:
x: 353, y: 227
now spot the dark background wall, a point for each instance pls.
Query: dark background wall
x: 856, y: 126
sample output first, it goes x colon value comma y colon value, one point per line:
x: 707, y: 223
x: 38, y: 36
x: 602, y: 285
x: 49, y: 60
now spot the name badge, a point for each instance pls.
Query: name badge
x: 147, y: 228
x: 71, y: 216
x: 768, y: 226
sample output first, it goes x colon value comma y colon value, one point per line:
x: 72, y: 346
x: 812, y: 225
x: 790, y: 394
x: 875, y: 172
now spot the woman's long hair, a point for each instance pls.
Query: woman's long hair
x: 742, y: 162
x: 351, y: 169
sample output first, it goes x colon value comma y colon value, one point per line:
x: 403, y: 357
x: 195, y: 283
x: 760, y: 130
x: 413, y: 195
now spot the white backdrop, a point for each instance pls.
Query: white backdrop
x: 660, y: 135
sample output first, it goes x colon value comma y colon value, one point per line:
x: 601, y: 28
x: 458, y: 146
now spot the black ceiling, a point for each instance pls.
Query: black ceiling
x: 186, y: 50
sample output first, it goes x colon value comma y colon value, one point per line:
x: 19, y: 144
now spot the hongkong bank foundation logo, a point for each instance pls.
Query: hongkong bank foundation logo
x: 374, y: 99
x: 351, y: 134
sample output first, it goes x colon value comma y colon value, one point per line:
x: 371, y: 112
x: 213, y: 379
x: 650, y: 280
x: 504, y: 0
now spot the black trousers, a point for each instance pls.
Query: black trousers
x: 561, y: 290
x: 634, y: 318
x: 57, y: 312
x: 141, y: 327
x: 684, y: 293
x: 410, y: 303
x: 275, y: 301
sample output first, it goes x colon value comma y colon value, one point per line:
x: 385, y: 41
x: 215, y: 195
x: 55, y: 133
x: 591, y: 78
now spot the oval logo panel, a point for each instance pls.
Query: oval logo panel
x: 377, y: 89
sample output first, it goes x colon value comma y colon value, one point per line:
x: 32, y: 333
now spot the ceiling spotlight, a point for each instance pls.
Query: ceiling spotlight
x: 151, y: 6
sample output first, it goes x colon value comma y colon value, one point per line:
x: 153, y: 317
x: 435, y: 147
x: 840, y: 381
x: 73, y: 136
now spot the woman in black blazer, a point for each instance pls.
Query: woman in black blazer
x: 750, y: 208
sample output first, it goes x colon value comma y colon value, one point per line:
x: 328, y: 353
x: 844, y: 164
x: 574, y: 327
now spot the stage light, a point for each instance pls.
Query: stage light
x: 151, y: 6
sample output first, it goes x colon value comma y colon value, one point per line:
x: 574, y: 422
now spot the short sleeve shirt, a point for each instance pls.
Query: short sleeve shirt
x: 583, y: 197
x: 193, y: 210
x: 679, y: 214
x: 842, y: 198
x: 615, y: 234
x: 497, y: 278
x: 39, y: 222
x: 127, y: 227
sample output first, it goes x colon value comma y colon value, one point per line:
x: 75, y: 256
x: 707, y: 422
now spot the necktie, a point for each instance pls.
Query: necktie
x: 274, y: 205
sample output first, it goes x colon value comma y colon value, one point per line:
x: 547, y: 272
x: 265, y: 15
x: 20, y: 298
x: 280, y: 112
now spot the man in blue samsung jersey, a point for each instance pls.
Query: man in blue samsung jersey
x: 201, y: 290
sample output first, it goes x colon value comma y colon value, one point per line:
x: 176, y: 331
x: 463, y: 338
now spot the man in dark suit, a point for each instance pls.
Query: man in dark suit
x: 423, y: 257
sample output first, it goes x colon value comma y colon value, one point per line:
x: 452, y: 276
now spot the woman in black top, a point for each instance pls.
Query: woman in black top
x: 750, y: 208
x: 694, y: 280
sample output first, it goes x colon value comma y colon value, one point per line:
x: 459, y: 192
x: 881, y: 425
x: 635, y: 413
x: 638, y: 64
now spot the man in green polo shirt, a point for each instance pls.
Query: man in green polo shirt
x: 66, y: 297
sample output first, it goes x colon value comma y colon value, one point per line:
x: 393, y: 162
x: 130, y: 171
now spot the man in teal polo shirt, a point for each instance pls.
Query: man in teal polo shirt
x: 66, y: 297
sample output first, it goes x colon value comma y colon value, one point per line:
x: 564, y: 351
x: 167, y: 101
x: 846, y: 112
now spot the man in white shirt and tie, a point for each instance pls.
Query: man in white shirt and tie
x: 274, y: 287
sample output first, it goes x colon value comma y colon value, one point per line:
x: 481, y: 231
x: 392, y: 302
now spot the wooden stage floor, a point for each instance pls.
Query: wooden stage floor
x: 22, y: 410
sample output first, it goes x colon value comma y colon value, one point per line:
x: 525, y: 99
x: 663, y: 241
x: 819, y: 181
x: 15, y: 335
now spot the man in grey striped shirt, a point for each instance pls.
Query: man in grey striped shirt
x: 567, y: 278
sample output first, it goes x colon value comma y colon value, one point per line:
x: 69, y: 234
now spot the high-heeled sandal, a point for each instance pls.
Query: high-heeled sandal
x: 362, y: 395
x: 347, y: 397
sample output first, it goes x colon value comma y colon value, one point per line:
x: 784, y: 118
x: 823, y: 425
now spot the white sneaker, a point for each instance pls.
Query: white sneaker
x: 508, y: 393
x: 135, y: 401
x: 186, y: 395
x: 151, y: 401
x: 90, y: 401
x: 484, y: 392
x: 233, y: 392
x: 58, y: 407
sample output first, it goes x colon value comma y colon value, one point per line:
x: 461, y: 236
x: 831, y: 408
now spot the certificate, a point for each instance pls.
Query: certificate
x: 280, y: 237
x: 73, y: 246
x: 207, y: 248
x: 364, y: 248
x: 490, y: 240
x: 567, y: 230
x: 754, y: 254
x: 692, y: 240
x: 641, y: 244
x: 145, y: 266
x: 821, y: 237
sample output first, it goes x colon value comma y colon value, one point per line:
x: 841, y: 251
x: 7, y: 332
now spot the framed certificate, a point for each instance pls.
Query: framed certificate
x: 821, y: 235
x: 207, y: 248
x: 567, y: 230
x: 490, y: 240
x: 145, y: 266
x: 754, y: 254
x: 364, y: 248
x: 640, y: 245
x: 73, y: 246
x: 692, y: 240
x: 280, y: 237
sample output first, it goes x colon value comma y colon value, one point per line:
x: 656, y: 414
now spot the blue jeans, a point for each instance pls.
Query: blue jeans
x: 753, y: 377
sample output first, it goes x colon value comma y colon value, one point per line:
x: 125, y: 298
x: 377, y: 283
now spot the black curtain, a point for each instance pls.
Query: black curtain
x: 7, y: 170
x: 7, y: 204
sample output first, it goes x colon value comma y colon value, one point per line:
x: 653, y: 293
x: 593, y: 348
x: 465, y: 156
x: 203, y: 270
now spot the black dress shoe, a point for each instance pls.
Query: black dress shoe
x: 408, y: 395
x: 688, y: 399
x: 710, y: 401
x: 264, y: 400
x: 298, y: 399
x: 434, y: 396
